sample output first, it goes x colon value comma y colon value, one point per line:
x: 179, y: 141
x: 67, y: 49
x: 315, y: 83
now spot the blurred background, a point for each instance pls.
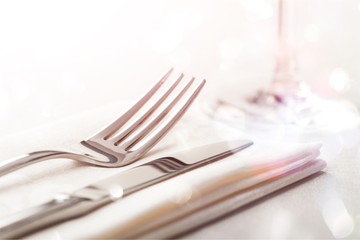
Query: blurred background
x: 65, y: 57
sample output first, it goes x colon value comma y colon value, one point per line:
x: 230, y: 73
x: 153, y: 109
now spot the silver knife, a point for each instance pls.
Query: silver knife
x: 83, y: 201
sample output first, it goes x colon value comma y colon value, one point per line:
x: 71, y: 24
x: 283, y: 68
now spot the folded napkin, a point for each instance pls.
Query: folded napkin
x: 149, y: 212
x: 264, y: 162
x: 183, y: 219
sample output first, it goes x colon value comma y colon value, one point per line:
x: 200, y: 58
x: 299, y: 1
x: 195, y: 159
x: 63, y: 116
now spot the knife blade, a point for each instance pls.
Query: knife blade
x: 83, y: 201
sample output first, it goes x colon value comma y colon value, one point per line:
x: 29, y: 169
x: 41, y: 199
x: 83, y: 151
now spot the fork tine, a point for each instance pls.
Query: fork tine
x: 160, y: 132
x: 117, y: 138
x: 114, y: 126
x: 133, y: 140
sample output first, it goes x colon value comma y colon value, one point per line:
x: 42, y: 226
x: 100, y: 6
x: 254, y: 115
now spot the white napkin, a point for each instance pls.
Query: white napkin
x: 183, y: 219
x: 36, y: 184
x: 149, y: 209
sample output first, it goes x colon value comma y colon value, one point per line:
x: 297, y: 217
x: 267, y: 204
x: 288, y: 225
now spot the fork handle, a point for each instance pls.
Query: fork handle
x: 13, y: 164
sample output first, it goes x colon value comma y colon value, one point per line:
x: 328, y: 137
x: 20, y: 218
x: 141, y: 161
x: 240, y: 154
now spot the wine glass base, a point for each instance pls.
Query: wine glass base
x: 318, y: 116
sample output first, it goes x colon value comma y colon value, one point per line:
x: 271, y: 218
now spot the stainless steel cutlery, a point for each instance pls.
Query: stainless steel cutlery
x: 116, y: 187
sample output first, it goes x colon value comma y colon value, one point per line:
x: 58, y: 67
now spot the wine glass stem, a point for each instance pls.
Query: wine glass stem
x: 280, y: 21
x: 284, y: 79
x: 282, y: 58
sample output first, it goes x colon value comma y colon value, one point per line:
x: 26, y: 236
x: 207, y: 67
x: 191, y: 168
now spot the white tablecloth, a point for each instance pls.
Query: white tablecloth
x: 58, y: 59
x: 321, y: 207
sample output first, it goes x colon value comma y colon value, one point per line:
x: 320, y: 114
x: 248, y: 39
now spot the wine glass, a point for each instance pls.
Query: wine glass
x: 288, y: 103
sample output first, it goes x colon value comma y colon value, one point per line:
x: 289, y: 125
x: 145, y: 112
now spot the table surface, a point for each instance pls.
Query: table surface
x: 63, y: 60
x: 323, y: 206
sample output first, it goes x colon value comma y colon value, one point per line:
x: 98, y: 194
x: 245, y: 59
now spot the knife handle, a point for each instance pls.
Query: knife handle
x: 63, y: 207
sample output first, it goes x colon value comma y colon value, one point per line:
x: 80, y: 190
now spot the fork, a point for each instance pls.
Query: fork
x: 130, y: 136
